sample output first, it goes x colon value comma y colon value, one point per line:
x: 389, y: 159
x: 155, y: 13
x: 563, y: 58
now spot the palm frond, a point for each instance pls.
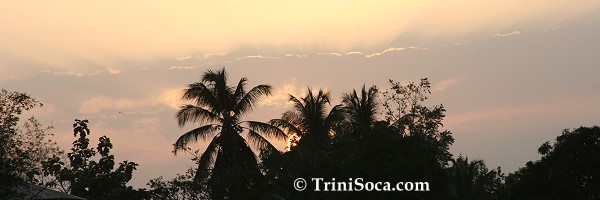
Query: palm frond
x: 361, y: 109
x: 217, y: 81
x: 240, y: 90
x: 202, y: 132
x: 286, y: 125
x: 266, y: 129
x: 191, y: 113
x: 202, y: 96
x: 259, y: 141
x: 218, y: 77
x: 250, y: 99
x: 335, y: 115
x: 299, y: 105
x: 208, y: 157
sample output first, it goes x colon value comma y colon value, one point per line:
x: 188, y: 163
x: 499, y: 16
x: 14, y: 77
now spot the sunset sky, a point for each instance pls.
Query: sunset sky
x: 512, y: 74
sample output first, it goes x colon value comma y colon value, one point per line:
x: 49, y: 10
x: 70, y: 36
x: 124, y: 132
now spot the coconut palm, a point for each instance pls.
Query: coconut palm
x: 361, y: 110
x: 309, y: 119
x: 472, y: 180
x: 228, y: 164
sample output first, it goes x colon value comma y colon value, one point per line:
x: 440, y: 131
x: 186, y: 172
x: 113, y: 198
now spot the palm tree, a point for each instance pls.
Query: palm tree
x: 309, y: 120
x: 228, y: 164
x: 361, y: 110
x: 472, y: 180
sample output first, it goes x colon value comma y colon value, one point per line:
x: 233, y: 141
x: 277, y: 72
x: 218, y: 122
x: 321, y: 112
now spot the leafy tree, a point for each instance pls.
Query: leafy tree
x: 309, y: 120
x: 21, y: 148
x: 88, y: 178
x: 405, y: 111
x: 228, y: 164
x: 183, y: 186
x: 568, y: 169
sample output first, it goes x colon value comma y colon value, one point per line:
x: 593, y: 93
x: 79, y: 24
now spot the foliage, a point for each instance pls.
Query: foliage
x: 309, y: 120
x: 406, y: 112
x: 22, y: 148
x: 183, y: 186
x: 360, y: 113
x: 228, y: 165
x: 568, y: 169
x: 88, y: 178
x: 471, y: 180
x: 346, y: 141
x: 407, y: 146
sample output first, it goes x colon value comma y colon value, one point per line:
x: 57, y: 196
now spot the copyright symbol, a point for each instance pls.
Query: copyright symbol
x: 299, y: 184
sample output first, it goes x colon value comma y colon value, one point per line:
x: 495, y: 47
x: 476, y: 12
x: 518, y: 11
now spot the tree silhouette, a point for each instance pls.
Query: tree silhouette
x: 228, y: 163
x: 405, y: 111
x: 22, y: 148
x: 85, y: 177
x: 471, y: 180
x: 309, y: 119
x: 568, y: 169
x: 360, y: 111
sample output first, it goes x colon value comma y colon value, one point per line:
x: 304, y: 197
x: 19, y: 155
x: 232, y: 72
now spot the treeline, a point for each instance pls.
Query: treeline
x: 30, y: 156
x: 387, y: 135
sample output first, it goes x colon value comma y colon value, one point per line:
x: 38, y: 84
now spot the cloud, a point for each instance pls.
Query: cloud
x: 100, y: 103
x: 497, y: 35
x: 294, y: 55
x: 443, y: 85
x: 571, y: 107
x: 96, y: 35
x: 180, y: 67
x: 329, y: 54
x: 183, y: 58
x: 388, y: 50
x: 557, y: 27
x: 257, y: 57
x: 170, y: 98
x: 354, y: 53
x: 280, y: 97
x: 110, y: 71
x: 65, y: 73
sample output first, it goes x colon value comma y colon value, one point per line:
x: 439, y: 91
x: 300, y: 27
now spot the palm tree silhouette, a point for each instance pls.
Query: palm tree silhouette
x: 467, y: 179
x: 228, y: 164
x: 309, y: 120
x: 361, y: 110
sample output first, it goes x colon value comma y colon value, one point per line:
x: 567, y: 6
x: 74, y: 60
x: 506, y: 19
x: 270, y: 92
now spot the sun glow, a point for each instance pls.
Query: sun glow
x: 292, y: 141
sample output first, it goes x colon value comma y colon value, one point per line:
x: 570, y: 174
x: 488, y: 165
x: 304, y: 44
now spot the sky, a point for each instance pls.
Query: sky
x: 511, y: 74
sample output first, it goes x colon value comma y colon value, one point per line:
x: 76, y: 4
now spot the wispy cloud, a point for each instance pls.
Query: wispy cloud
x: 98, y: 39
x: 110, y: 71
x: 170, y: 98
x: 295, y: 55
x: 557, y: 27
x: 329, y: 54
x: 180, y: 67
x: 443, y: 85
x: 113, y: 71
x: 388, y: 50
x: 280, y: 97
x: 498, y: 35
x: 257, y: 57
x: 572, y: 107
x: 183, y: 58
x: 354, y: 53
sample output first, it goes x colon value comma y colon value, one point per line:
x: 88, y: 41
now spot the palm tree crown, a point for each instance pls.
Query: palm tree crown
x: 361, y: 109
x: 309, y: 120
x: 218, y: 108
